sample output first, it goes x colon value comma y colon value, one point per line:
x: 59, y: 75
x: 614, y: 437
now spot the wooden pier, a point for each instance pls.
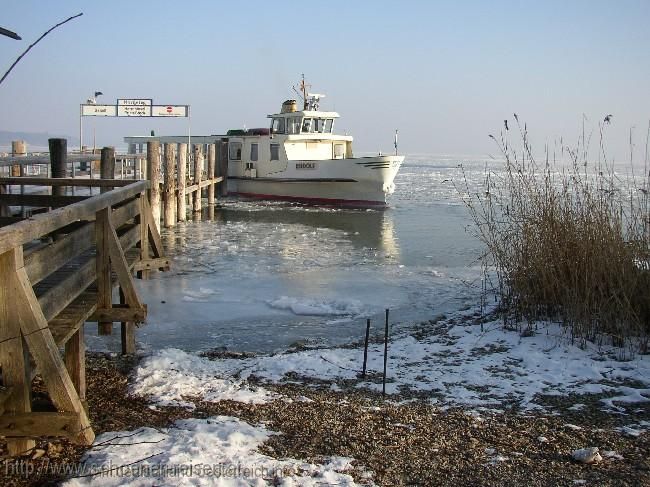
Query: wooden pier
x: 60, y: 261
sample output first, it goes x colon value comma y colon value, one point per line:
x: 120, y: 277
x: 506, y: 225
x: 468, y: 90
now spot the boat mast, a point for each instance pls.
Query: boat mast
x: 302, y: 86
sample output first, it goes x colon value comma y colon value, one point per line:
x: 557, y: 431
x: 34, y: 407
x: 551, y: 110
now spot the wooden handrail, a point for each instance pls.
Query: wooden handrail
x: 25, y: 231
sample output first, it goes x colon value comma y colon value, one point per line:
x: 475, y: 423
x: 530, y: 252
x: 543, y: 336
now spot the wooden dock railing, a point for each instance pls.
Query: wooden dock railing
x: 57, y: 271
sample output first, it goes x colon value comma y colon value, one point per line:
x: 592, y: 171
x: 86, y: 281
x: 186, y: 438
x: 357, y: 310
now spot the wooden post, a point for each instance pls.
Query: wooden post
x: 103, y: 269
x: 153, y: 173
x: 222, y: 166
x: 127, y: 332
x: 18, y: 148
x: 169, y: 186
x: 58, y: 162
x: 181, y: 198
x: 198, y: 169
x: 13, y: 354
x: 211, y: 162
x: 75, y: 362
x: 107, y: 166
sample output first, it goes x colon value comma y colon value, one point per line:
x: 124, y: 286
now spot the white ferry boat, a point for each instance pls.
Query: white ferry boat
x: 300, y: 158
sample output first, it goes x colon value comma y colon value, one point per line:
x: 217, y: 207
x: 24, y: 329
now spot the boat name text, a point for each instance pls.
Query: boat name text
x: 305, y: 165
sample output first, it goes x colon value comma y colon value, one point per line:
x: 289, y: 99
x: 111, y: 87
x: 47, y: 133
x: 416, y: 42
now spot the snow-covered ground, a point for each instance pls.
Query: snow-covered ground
x: 451, y: 362
x: 220, y: 451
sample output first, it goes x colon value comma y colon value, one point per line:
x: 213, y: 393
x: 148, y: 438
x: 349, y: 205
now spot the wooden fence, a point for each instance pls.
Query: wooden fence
x: 64, y: 252
x: 58, y: 270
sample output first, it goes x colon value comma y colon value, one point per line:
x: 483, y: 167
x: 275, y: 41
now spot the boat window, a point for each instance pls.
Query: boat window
x: 307, y: 126
x: 338, y: 151
x: 294, y: 125
x: 319, y: 124
x: 328, y: 125
x: 275, y: 152
x: 278, y: 126
x: 235, y: 151
x: 253, y: 152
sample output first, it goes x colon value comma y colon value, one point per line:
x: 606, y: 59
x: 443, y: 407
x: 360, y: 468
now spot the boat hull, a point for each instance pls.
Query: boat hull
x: 364, y: 181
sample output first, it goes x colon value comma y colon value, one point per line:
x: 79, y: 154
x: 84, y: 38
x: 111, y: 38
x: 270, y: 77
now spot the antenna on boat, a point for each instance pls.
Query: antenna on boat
x: 302, y: 91
x: 395, y: 141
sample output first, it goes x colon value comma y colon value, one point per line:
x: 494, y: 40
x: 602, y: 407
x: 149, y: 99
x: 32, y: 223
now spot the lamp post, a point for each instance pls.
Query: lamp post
x: 90, y: 101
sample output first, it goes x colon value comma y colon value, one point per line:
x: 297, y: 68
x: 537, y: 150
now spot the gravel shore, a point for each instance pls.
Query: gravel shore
x: 393, y: 443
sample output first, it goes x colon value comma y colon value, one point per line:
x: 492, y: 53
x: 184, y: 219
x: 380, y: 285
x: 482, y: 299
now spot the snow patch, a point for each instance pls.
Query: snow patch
x: 217, y: 451
x: 170, y: 376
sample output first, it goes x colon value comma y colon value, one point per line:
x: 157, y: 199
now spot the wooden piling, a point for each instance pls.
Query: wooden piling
x: 18, y: 148
x: 153, y: 174
x: 58, y: 162
x: 211, y: 163
x: 222, y: 166
x: 181, y: 198
x: 75, y: 362
x: 169, y: 186
x: 107, y: 166
x: 198, y: 170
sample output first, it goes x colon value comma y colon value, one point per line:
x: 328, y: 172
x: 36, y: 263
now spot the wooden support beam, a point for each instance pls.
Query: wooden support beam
x: 162, y: 263
x: 45, y: 352
x: 127, y: 329
x: 153, y: 236
x: 198, y: 172
x: 5, y: 394
x: 103, y: 267
x: 211, y: 163
x: 34, y: 425
x: 121, y: 268
x: 181, y: 206
x: 91, y: 183
x: 13, y: 353
x: 145, y: 214
x: 75, y: 362
x: 39, y: 200
x: 153, y: 172
x: 169, y: 186
x: 119, y: 313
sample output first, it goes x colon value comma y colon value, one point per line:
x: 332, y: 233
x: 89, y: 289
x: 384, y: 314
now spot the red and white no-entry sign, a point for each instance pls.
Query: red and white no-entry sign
x: 169, y: 109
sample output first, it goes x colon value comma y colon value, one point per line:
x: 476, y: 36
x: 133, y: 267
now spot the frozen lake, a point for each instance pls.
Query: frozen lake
x: 261, y: 276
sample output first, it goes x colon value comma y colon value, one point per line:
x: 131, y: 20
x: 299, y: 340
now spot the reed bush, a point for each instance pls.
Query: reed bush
x: 567, y: 241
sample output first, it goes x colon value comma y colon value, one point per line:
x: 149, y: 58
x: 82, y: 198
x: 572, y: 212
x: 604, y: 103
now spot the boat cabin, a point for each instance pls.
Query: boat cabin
x: 293, y: 135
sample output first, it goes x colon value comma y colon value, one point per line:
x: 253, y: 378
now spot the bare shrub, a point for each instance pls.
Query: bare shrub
x: 567, y: 241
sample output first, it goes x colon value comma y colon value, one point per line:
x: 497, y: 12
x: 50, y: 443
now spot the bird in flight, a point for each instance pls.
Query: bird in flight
x: 608, y: 118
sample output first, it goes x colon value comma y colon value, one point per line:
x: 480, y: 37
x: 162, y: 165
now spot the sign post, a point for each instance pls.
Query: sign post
x: 130, y: 107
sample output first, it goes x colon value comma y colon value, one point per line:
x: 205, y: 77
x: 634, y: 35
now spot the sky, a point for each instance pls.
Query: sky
x: 445, y: 73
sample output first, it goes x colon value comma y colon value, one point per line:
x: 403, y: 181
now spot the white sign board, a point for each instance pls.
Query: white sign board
x: 134, y: 110
x: 98, y: 110
x: 169, y: 111
x: 134, y: 101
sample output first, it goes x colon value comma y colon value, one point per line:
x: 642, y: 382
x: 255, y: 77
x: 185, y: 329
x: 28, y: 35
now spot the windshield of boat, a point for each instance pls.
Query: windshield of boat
x: 317, y: 126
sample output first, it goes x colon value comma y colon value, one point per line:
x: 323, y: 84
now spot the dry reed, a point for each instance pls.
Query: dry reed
x: 567, y: 242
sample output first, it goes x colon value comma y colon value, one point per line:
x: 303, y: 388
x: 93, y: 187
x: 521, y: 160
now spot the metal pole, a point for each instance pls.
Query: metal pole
x: 81, y: 130
x: 365, y: 349
x: 383, y: 385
